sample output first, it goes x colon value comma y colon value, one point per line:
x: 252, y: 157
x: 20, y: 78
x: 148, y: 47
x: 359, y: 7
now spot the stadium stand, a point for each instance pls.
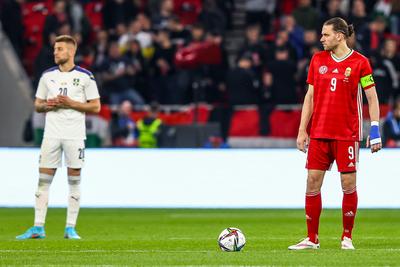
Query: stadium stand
x: 182, y: 53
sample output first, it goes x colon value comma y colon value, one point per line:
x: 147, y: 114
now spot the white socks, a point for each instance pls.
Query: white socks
x: 73, y: 200
x: 42, y: 198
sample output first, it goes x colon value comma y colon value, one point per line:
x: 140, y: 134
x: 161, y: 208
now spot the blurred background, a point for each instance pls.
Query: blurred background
x: 190, y: 73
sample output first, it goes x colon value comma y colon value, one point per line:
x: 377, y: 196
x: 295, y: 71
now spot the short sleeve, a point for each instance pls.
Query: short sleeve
x: 310, y: 76
x: 91, y: 91
x: 42, y: 90
x: 366, y: 79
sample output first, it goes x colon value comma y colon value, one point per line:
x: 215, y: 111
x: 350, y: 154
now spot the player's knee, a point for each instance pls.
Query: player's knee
x: 348, y: 186
x: 45, y: 180
x: 313, y: 179
x: 74, y: 172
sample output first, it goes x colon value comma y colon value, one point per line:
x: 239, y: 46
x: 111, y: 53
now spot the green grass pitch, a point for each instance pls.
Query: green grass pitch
x: 162, y: 237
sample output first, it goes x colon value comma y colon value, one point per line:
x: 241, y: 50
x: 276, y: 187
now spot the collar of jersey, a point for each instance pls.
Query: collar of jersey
x: 343, y: 58
x: 73, y: 68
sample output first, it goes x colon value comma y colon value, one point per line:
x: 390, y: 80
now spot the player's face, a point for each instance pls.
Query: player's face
x: 329, y: 39
x: 62, y: 52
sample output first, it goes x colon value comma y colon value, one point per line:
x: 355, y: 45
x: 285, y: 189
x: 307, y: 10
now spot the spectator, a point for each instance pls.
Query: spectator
x: 385, y: 77
x: 282, y: 83
x: 179, y: 34
x: 130, y: 34
x: 100, y: 48
x: 371, y: 37
x: 306, y: 16
x: 391, y: 127
x: 12, y: 24
x: 332, y: 9
x: 390, y: 52
x: 44, y: 60
x: 227, y: 7
x: 243, y: 84
x: 260, y: 12
x: 57, y: 20
x: 118, y: 11
x: 162, y: 18
x: 212, y: 18
x: 296, y: 34
x: 79, y: 22
x: 117, y: 73
x: 149, y: 128
x: 310, y: 40
x: 255, y: 47
x: 281, y: 40
x: 123, y: 129
x: 358, y: 16
x: 164, y: 85
x: 395, y: 18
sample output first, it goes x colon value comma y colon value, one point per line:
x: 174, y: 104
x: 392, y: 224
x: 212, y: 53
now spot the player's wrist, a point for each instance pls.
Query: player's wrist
x: 374, y: 134
x: 375, y: 123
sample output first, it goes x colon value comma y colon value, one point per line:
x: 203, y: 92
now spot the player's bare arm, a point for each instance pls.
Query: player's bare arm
x: 302, y: 137
x: 91, y: 106
x: 42, y: 105
x: 373, y: 106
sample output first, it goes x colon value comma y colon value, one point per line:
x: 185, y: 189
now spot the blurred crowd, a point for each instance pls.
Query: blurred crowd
x: 176, y: 52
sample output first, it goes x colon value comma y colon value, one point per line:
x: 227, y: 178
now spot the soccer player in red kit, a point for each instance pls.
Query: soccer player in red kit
x: 336, y: 77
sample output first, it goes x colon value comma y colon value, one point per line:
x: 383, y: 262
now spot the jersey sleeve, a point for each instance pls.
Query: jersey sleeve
x: 366, y: 80
x: 91, y: 91
x: 42, y: 90
x: 310, y: 76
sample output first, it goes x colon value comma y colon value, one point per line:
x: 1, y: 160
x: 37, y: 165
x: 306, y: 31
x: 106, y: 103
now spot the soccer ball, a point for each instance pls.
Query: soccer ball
x: 231, y: 239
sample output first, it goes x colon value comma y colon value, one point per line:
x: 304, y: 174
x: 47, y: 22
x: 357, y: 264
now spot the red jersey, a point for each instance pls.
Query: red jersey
x: 337, y: 102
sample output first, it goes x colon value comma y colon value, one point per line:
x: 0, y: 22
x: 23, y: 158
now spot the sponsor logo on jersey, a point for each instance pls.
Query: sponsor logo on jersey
x: 335, y: 71
x: 351, y: 164
x: 323, y: 69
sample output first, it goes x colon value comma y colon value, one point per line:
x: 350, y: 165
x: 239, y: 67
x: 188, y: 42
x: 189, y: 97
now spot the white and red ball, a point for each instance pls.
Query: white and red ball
x: 231, y: 239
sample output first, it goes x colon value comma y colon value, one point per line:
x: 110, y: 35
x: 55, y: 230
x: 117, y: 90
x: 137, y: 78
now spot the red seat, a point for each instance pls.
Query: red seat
x: 93, y: 12
x: 245, y: 123
x: 34, y: 16
x: 284, y: 124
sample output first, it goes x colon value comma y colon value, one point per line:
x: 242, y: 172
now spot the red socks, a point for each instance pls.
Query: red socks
x: 349, y: 210
x: 313, y: 211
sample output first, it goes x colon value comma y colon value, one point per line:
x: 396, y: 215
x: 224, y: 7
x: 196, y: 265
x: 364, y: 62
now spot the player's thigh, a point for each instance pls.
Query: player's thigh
x: 347, y: 155
x: 74, y: 152
x: 50, y: 153
x: 319, y: 155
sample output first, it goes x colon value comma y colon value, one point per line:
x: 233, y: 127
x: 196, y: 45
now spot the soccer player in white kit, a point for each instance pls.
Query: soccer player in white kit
x: 65, y: 93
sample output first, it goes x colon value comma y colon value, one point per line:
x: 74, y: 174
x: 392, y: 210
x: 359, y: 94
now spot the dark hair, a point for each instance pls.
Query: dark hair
x: 66, y: 39
x: 340, y: 25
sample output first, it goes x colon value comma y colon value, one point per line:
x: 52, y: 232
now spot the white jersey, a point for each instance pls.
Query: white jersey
x: 79, y: 85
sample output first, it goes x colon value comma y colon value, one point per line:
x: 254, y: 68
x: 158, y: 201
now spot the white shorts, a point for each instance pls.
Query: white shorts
x: 51, y: 153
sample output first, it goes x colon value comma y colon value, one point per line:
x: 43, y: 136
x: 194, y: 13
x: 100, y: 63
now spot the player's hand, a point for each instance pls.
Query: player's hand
x: 302, y: 141
x: 374, y: 139
x: 52, y: 104
x: 374, y: 147
x: 65, y: 101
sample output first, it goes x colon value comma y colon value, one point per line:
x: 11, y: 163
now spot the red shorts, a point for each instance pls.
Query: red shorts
x: 322, y: 153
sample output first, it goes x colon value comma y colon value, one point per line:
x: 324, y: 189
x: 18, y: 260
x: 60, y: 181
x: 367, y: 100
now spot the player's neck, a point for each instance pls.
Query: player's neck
x: 341, y: 51
x: 66, y: 67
